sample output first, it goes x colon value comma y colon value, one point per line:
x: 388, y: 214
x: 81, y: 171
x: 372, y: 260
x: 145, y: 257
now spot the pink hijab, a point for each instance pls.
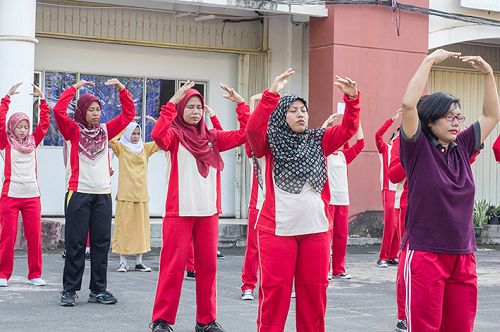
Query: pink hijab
x: 93, y: 138
x: 198, y: 140
x: 26, y: 145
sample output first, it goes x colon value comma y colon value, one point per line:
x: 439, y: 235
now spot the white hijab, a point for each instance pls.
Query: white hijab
x: 125, y: 139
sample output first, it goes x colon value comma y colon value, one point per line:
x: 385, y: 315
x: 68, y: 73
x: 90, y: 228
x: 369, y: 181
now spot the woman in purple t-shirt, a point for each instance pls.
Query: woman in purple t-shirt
x: 439, y: 262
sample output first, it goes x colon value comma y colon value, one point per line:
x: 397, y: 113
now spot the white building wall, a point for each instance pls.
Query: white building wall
x: 445, y: 31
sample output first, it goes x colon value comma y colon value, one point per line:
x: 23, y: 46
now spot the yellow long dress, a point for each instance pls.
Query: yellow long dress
x: 132, y: 231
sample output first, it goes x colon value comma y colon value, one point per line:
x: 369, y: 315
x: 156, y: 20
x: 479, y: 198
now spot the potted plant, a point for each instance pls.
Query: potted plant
x: 493, y: 215
x: 480, y: 216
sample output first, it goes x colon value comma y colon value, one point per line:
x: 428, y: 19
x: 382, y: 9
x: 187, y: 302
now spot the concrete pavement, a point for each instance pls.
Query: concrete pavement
x: 365, y: 303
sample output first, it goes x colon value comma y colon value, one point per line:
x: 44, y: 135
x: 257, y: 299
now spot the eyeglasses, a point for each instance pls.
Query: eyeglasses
x: 450, y: 117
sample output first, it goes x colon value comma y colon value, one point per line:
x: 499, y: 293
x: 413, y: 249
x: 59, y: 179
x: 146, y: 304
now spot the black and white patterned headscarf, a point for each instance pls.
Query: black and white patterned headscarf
x: 298, y: 157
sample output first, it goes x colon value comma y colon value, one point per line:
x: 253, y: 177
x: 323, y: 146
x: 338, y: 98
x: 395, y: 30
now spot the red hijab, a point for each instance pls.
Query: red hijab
x: 198, y: 140
x: 93, y: 138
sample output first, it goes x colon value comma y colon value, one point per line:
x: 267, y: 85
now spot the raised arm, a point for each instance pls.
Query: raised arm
x: 118, y: 124
x: 379, y: 135
x: 229, y: 139
x: 44, y: 122
x: 337, y: 135
x: 213, y: 118
x: 257, y: 124
x: 151, y: 119
x: 254, y: 100
x: 67, y: 126
x: 396, y: 170
x: 4, y: 109
x: 352, y: 152
x: 415, y: 89
x: 161, y: 133
x: 491, y: 109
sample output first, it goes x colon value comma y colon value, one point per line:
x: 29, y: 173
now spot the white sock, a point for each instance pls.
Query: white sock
x: 123, y: 260
x: 138, y: 259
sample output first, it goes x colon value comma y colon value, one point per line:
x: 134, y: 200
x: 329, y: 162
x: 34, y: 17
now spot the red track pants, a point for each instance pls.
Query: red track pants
x: 441, y: 291
x: 31, y: 215
x: 177, y: 233
x: 390, y: 239
x: 339, y: 234
x: 281, y: 258
x: 251, y: 262
x: 400, y: 284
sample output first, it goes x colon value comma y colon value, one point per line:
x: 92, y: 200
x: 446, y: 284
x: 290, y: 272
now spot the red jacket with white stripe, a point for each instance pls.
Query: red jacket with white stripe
x: 20, y: 170
x: 289, y: 214
x: 82, y: 176
x: 188, y: 193
x: 398, y: 175
x: 384, y: 151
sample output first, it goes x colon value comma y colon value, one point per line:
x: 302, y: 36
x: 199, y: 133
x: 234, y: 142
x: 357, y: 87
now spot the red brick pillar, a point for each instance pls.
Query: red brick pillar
x: 361, y: 42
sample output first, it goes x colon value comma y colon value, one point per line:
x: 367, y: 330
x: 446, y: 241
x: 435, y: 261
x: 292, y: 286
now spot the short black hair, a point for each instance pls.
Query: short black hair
x: 433, y: 107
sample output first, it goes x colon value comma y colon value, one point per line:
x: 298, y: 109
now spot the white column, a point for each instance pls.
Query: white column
x: 287, y: 49
x: 17, y: 51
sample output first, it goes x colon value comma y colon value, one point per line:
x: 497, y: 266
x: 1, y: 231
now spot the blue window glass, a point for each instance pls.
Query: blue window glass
x: 55, y: 84
x: 158, y: 93
x: 109, y: 97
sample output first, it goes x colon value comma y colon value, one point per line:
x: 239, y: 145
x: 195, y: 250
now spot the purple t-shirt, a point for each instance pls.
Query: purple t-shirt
x: 440, y: 192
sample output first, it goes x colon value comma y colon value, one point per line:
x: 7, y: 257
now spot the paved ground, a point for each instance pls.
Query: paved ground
x: 366, y: 303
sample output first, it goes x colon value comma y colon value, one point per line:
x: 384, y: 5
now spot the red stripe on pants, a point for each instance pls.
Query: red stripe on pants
x: 400, y: 284
x: 251, y: 262
x: 177, y: 233
x: 30, y: 210
x: 305, y: 257
x: 441, y: 291
x: 390, y: 239
x: 340, y: 230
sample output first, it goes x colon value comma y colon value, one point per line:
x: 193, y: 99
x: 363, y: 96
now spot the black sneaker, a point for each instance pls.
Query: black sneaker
x: 142, y: 268
x: 160, y: 326
x: 382, y: 264
x: 393, y: 261
x: 63, y: 255
x: 102, y: 297
x: 401, y: 326
x: 190, y: 275
x: 220, y: 255
x: 68, y: 298
x: 210, y: 327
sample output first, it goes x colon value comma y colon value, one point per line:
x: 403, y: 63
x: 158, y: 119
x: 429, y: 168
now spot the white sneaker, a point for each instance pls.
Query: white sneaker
x: 122, y: 268
x: 3, y: 282
x: 36, y: 282
x: 293, y: 295
x: 247, y: 295
x: 330, y: 277
x: 342, y: 276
